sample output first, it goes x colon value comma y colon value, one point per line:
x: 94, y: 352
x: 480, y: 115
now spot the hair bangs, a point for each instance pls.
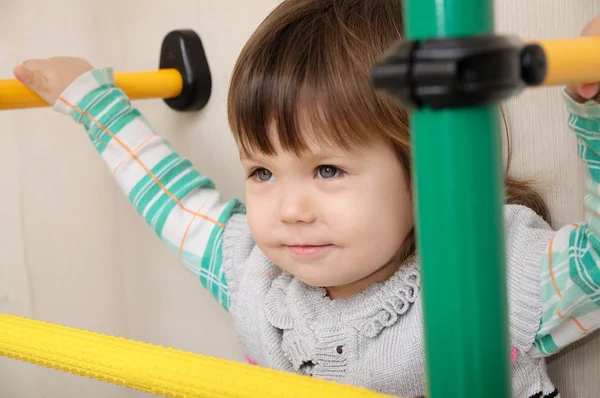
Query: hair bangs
x: 302, y: 84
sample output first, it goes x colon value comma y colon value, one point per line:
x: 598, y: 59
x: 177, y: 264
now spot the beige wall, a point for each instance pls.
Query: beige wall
x: 73, y: 251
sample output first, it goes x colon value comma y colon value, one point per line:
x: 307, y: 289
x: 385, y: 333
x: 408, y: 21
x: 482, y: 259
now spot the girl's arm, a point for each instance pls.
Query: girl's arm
x: 178, y: 203
x: 570, y: 278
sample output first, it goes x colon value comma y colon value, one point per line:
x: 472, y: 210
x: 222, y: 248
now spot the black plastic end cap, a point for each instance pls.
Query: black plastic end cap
x: 183, y: 50
x: 534, y: 65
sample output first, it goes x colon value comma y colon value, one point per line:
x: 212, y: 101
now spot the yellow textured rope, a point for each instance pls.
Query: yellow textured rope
x: 155, y: 369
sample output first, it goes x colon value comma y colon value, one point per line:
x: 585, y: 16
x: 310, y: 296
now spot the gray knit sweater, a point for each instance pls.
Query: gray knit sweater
x: 373, y: 339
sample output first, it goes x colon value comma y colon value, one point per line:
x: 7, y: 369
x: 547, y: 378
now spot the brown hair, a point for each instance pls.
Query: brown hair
x: 310, y: 61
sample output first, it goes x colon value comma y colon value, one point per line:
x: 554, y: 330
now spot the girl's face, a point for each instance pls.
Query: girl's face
x: 333, y: 218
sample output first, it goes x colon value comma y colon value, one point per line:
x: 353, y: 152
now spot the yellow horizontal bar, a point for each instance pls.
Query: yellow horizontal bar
x: 162, y: 83
x: 571, y: 61
x: 154, y: 369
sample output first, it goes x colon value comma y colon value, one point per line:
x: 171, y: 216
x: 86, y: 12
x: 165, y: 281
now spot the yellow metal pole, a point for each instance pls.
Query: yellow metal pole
x: 155, y: 369
x: 571, y: 61
x: 162, y: 83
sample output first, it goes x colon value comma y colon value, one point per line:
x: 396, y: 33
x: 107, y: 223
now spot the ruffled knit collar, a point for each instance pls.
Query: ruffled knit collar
x: 291, y: 304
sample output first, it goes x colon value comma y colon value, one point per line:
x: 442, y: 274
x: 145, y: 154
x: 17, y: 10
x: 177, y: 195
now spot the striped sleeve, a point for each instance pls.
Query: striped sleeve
x: 570, y: 279
x: 178, y: 203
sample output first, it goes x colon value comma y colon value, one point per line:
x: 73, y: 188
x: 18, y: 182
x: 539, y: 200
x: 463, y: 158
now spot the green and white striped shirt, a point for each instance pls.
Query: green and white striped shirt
x: 188, y: 215
x: 570, y: 274
x: 178, y: 203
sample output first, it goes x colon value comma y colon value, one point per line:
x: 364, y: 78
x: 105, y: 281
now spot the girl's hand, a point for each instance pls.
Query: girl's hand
x: 48, y: 78
x: 587, y: 91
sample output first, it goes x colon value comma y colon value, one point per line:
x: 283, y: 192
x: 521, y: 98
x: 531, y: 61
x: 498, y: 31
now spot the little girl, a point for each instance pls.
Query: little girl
x: 318, y: 268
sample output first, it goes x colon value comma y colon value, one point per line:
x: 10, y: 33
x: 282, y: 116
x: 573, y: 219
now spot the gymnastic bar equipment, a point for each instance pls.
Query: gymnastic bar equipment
x: 452, y: 72
x: 183, y: 79
x: 155, y: 369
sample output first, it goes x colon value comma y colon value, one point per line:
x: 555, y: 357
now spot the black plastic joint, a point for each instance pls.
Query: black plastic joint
x: 458, y: 72
x: 183, y: 50
x: 534, y: 65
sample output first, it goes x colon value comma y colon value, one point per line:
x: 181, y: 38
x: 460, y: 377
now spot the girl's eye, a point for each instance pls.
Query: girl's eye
x: 263, y: 174
x: 328, y: 171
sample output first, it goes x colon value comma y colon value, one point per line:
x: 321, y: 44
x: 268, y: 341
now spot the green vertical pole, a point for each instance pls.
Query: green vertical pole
x: 459, y: 189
